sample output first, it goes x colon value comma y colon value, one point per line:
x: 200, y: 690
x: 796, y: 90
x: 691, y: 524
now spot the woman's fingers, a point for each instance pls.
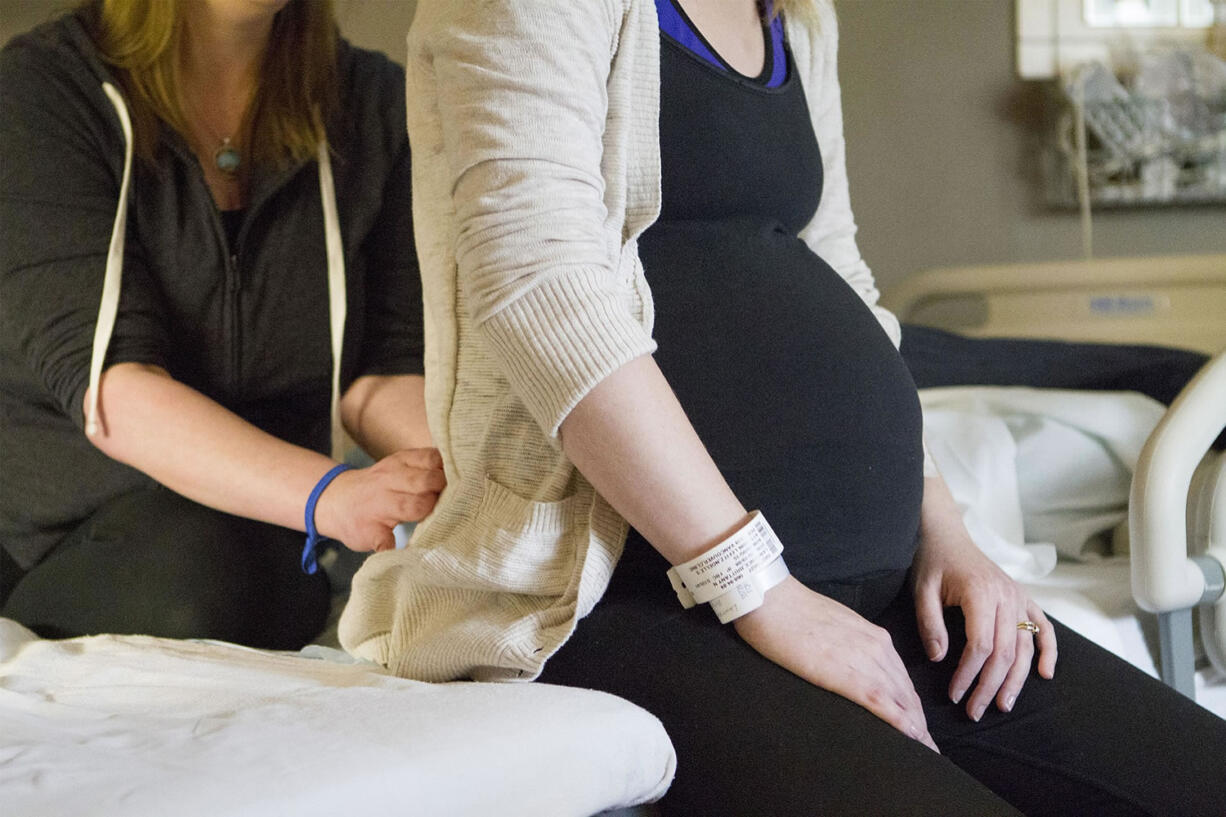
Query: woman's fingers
x: 421, y: 469
x: 909, y: 716
x: 413, y: 479
x: 999, y: 662
x: 1000, y: 654
x: 433, y: 480
x: 1028, y: 643
x: 899, y: 712
x: 1016, y: 678
x: 414, y: 507
x: 980, y: 642
x: 417, y: 457
x: 930, y: 616
x: 426, y: 459
x: 997, y: 657
x: 384, y: 540
x: 1045, y: 640
x: 877, y: 680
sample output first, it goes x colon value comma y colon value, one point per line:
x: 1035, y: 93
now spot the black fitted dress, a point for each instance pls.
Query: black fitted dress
x: 789, y: 379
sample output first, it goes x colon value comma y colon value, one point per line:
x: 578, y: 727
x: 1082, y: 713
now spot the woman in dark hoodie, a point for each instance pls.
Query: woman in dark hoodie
x: 207, y: 271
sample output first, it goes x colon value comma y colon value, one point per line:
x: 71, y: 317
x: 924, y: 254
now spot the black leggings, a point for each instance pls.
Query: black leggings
x: 154, y: 563
x: 752, y: 739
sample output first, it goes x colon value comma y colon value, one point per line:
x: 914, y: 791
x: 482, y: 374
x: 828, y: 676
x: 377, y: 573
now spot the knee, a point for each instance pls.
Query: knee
x: 157, y: 564
x: 241, y: 582
x: 199, y: 615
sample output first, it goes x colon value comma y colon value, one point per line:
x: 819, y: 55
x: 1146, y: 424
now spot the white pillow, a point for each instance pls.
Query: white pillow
x: 134, y: 725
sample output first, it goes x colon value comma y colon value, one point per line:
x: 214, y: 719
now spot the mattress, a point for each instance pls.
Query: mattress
x: 131, y: 725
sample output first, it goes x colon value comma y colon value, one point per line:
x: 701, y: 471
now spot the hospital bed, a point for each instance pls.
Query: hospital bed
x: 134, y: 726
x: 131, y: 725
x: 1166, y: 557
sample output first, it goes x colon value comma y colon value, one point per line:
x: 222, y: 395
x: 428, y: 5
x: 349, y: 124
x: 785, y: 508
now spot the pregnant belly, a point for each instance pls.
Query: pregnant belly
x: 794, y: 387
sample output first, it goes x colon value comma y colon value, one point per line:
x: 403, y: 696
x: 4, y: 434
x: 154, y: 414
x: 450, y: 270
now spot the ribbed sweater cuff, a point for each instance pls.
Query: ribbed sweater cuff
x: 560, y: 339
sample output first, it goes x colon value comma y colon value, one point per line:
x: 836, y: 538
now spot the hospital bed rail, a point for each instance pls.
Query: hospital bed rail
x: 1177, y: 524
x: 1172, y: 300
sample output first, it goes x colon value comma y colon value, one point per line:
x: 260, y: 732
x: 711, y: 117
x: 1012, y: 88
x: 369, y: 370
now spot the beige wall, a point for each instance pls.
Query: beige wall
x: 379, y: 24
x: 18, y: 15
x: 942, y: 148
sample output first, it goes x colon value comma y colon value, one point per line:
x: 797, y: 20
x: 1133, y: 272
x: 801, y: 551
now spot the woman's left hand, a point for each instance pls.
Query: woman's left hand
x: 950, y: 570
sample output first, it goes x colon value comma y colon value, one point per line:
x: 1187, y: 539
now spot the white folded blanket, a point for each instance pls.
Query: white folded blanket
x: 133, y: 725
x: 1060, y: 460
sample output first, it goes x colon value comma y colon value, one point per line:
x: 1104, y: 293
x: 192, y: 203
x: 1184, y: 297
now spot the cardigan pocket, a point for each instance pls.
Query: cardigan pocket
x: 521, y: 546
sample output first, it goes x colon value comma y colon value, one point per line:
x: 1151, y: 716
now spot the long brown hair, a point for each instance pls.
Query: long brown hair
x: 297, y: 93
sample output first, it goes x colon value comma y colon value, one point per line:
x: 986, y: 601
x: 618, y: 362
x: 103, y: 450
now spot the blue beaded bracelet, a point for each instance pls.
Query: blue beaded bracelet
x: 310, y: 562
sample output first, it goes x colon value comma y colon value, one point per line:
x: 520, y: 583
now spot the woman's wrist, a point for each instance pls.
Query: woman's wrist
x: 328, y: 503
x: 314, y: 537
x: 756, y: 620
x: 940, y: 517
x: 733, y: 575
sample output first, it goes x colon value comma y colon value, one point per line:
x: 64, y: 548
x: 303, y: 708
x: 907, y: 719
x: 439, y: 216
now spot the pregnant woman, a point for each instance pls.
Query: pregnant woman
x: 645, y: 304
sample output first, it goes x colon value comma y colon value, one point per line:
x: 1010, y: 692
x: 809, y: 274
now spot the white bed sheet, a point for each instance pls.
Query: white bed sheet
x: 132, y: 725
x: 1042, y: 477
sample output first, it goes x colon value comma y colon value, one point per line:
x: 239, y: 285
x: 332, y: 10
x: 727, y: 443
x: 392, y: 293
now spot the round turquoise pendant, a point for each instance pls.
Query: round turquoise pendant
x: 227, y: 158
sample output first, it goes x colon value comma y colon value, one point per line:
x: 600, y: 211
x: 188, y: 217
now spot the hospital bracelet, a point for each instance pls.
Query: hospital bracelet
x: 749, y: 595
x: 735, y: 574
x: 310, y: 562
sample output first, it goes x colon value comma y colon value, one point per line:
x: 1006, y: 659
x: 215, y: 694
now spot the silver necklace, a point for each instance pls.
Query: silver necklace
x: 227, y: 157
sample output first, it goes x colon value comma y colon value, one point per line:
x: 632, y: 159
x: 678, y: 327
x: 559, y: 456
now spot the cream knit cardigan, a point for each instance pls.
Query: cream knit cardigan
x: 533, y: 126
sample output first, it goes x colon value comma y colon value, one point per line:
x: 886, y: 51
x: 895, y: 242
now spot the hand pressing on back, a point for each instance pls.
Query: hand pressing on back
x: 361, y: 507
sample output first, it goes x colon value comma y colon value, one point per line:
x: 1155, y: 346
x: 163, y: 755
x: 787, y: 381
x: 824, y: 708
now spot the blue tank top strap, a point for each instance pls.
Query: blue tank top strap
x: 678, y: 28
x: 675, y: 25
x: 779, y: 60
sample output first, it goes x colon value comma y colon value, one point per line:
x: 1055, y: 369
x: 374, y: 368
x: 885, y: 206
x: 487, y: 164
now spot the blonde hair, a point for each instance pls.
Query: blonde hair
x: 801, y: 9
x: 297, y: 93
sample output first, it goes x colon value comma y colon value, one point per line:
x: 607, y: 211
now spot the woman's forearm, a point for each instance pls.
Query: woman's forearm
x: 941, y: 522
x: 387, y: 413
x: 630, y: 437
x: 197, y: 448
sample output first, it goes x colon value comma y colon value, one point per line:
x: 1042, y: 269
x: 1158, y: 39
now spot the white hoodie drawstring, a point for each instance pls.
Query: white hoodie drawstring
x: 337, y: 295
x: 108, y: 307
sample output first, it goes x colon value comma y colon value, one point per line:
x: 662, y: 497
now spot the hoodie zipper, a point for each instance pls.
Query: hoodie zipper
x: 231, y: 289
x: 233, y: 301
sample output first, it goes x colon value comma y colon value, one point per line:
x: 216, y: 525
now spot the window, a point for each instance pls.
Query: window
x: 1148, y: 13
x: 1053, y: 35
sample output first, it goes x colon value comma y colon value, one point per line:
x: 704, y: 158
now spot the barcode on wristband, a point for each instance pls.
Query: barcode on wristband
x: 720, y: 569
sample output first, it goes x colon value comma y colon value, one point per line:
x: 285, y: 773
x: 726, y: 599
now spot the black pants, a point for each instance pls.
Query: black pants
x: 752, y: 739
x: 154, y: 563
